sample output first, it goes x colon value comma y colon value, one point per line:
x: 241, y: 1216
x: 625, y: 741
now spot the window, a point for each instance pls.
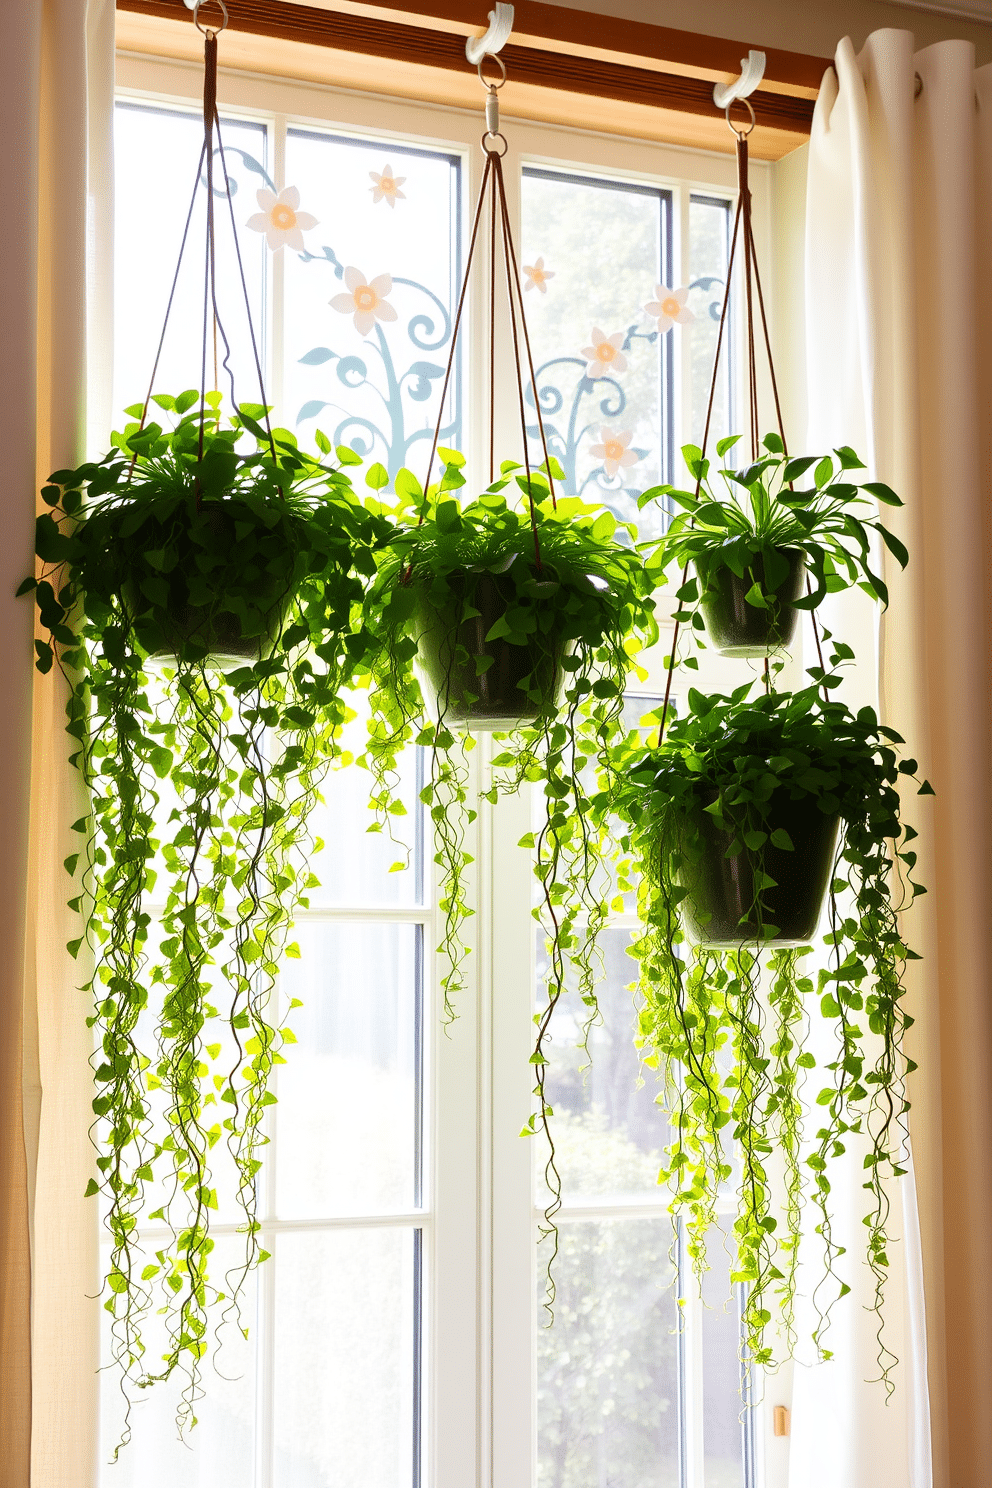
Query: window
x: 396, y: 1336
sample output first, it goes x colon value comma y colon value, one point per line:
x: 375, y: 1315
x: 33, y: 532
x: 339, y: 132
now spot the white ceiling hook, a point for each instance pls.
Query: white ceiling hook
x: 752, y: 72
x: 495, y: 39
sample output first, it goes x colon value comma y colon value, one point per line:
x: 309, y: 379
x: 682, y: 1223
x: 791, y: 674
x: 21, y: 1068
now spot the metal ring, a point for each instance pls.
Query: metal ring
x: 488, y: 151
x: 740, y: 133
x: 489, y: 57
x: 209, y: 30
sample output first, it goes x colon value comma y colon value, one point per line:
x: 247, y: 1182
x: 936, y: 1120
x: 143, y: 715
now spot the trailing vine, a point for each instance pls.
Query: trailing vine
x: 560, y: 587
x: 201, y: 604
x: 727, y: 1025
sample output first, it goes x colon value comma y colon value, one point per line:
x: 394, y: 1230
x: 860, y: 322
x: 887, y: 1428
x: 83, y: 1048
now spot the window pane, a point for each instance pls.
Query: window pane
x: 607, y: 1370
x: 348, y: 1117
x: 723, y: 1404
x: 608, y: 1130
x: 220, y: 1451
x: 345, y: 1360
x: 356, y: 866
x: 370, y: 374
x: 710, y: 226
x: 156, y: 154
x: 604, y: 246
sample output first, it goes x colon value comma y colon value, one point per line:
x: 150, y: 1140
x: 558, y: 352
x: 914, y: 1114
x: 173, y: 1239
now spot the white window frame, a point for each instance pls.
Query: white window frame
x: 478, y: 1219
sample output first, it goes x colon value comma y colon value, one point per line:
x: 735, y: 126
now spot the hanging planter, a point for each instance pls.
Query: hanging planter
x: 547, y: 597
x: 201, y: 611
x: 752, y: 824
x: 202, y: 587
x: 735, y: 894
x: 739, y: 627
x: 523, y: 620
x: 759, y: 806
x: 752, y: 538
x: 483, y: 669
x: 235, y: 723
x: 202, y: 548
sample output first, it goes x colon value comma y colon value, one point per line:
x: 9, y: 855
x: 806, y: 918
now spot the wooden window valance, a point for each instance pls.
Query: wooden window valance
x: 645, y: 70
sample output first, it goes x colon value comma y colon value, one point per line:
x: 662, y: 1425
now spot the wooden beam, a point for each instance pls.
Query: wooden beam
x: 564, y: 70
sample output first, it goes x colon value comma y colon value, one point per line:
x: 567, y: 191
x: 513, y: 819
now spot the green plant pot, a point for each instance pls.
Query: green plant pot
x: 739, y: 629
x: 721, y: 892
x: 492, y: 700
x: 167, y: 630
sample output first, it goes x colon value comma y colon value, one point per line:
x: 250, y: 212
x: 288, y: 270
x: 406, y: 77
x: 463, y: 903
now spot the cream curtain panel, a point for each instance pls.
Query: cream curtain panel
x: 56, y: 101
x: 899, y: 351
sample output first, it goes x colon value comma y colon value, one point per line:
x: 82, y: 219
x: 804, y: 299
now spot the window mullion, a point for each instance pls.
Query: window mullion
x: 453, y: 1363
x: 277, y: 279
x: 514, y: 1256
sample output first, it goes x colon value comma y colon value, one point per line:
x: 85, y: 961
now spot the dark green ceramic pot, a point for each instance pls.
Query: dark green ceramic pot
x: 737, y: 628
x: 170, y: 628
x: 718, y: 910
x: 519, y: 682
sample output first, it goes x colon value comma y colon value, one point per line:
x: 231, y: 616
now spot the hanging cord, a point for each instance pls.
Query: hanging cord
x: 493, y: 191
x: 752, y: 277
x: 702, y: 456
x: 212, y: 323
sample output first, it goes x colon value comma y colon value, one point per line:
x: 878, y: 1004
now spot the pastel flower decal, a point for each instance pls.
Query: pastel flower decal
x: 366, y: 300
x: 668, y: 307
x: 604, y: 355
x: 387, y: 187
x: 538, y: 275
x: 613, y: 451
x: 280, y: 218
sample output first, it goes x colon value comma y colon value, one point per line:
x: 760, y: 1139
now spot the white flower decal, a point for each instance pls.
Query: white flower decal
x: 387, y: 187
x: 668, y: 307
x: 613, y: 451
x: 604, y: 355
x: 280, y: 218
x: 538, y: 275
x: 366, y: 300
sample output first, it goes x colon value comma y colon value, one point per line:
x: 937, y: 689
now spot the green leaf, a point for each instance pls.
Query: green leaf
x: 407, y: 485
x: 882, y: 493
x: 895, y: 547
x: 823, y: 472
x: 377, y: 476
x: 51, y: 545
x: 728, y: 442
x: 755, y: 597
x: 781, y: 839
x: 795, y: 468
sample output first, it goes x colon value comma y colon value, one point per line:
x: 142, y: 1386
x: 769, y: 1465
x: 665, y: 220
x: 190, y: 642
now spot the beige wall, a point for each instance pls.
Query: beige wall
x: 814, y: 26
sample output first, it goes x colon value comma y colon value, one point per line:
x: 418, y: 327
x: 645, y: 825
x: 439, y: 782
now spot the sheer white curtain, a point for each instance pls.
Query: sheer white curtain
x: 56, y: 100
x: 899, y: 326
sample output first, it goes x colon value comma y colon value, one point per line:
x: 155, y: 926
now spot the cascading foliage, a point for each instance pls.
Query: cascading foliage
x: 565, y: 582
x: 201, y: 603
x: 732, y: 1028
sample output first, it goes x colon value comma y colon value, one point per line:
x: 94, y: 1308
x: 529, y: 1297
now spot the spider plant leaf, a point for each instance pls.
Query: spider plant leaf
x: 895, y: 547
x: 795, y: 468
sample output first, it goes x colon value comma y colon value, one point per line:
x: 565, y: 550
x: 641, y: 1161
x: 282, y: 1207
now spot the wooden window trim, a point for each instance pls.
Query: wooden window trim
x: 649, y: 72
